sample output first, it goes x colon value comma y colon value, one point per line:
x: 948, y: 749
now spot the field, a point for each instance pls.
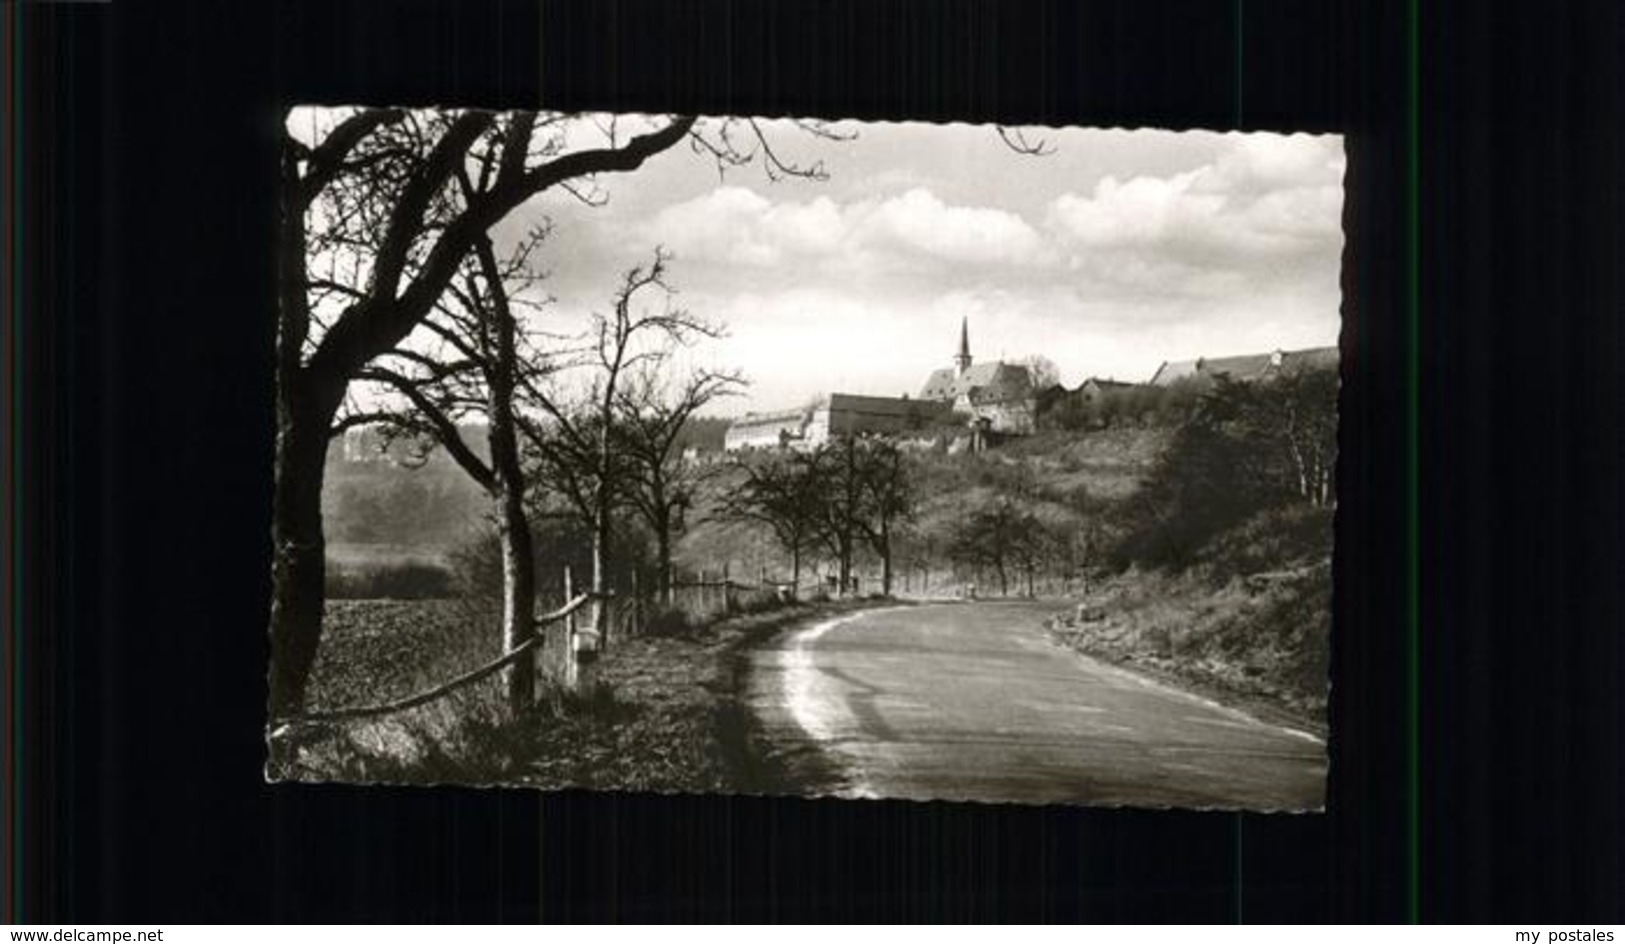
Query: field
x: 360, y: 571
x: 664, y: 716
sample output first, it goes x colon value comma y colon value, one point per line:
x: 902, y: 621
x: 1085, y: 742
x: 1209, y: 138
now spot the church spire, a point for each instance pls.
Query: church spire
x: 962, y: 359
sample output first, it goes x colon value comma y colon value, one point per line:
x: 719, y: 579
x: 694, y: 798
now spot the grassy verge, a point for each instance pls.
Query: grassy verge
x: 667, y: 714
x: 1260, y: 644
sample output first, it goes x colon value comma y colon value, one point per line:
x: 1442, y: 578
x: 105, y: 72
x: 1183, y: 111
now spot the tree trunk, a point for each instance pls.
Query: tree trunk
x: 299, y: 549
x: 518, y: 556
x: 885, y: 560
x: 600, y: 562
x: 663, y: 552
x: 518, y: 599
x: 518, y: 548
x: 795, y: 571
x: 846, y: 564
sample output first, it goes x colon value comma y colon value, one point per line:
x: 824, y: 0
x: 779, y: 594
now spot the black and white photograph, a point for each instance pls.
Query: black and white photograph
x: 805, y: 458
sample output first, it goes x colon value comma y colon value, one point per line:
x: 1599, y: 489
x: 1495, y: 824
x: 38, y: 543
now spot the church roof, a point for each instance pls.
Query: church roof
x: 1000, y: 381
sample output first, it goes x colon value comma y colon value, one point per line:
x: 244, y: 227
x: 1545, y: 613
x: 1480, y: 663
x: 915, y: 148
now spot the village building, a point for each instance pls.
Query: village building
x: 833, y: 416
x: 1246, y: 368
x: 1095, y: 388
x: 777, y: 430
x: 991, y: 398
x: 848, y: 414
x: 998, y: 394
x: 1085, y: 400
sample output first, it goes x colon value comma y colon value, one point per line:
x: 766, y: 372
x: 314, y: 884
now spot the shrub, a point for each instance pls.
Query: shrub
x: 1274, y: 539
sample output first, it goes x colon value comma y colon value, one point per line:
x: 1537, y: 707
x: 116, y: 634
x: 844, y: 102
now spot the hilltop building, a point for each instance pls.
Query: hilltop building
x: 994, y: 398
x: 1246, y: 368
x: 777, y: 430
x: 999, y: 395
x: 831, y: 417
x: 1094, y: 388
x: 1083, y: 404
x: 848, y: 414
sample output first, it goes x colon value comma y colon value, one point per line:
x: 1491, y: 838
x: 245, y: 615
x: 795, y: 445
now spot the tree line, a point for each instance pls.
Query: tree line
x: 1244, y: 448
x: 847, y: 493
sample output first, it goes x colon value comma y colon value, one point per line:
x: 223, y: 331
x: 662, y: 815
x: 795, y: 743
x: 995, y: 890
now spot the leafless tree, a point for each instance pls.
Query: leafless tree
x: 651, y: 414
x: 374, y: 226
x: 885, y: 498
x: 579, y: 438
x: 840, y: 512
x: 1042, y: 370
x: 465, y: 365
x: 1303, y: 408
x: 784, y: 492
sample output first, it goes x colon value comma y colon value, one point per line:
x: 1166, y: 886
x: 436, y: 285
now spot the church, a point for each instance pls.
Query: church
x: 998, y: 395
x: 996, y: 398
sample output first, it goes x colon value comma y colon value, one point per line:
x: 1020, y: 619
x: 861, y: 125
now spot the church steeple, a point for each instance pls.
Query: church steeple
x: 962, y: 359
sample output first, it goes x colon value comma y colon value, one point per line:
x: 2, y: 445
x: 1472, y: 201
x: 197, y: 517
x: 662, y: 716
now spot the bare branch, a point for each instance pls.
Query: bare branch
x: 1016, y: 139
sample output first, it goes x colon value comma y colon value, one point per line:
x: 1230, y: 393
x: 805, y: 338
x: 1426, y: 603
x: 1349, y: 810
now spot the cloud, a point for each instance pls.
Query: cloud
x: 1226, y: 244
x: 918, y: 221
x: 1264, y: 199
x: 737, y: 226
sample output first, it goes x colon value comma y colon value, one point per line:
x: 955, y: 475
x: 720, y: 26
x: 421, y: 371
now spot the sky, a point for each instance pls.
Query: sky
x: 1115, y: 251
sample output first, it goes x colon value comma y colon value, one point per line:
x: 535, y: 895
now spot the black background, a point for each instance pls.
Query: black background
x: 145, y: 460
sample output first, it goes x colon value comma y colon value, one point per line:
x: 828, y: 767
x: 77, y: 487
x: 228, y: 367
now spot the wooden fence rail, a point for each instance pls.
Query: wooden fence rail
x: 467, y: 678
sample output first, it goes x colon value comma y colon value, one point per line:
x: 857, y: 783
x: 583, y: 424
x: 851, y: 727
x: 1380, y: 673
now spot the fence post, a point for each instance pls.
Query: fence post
x: 569, y: 633
x: 727, y: 591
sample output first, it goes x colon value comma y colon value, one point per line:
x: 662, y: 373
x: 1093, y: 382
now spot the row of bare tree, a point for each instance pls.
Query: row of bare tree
x: 829, y: 499
x: 396, y: 308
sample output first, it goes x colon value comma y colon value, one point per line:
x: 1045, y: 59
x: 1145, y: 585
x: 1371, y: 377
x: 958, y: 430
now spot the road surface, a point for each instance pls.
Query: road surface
x: 972, y: 701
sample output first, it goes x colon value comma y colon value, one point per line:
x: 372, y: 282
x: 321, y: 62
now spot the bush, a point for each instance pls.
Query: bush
x: 1196, y: 490
x: 1275, y: 539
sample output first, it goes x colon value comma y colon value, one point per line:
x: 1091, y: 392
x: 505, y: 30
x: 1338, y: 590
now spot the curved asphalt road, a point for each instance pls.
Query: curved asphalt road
x: 972, y: 701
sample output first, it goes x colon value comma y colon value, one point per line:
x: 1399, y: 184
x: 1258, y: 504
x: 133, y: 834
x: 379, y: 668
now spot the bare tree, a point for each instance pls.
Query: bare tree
x: 652, y: 414
x: 467, y: 367
x: 373, y: 228
x: 782, y: 491
x: 840, y: 511
x: 578, y: 443
x: 886, y: 498
x: 1042, y: 370
x: 998, y: 536
x: 1305, y: 408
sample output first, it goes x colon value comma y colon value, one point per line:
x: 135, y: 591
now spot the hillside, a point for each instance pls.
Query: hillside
x: 1242, y: 610
x: 1065, y: 480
